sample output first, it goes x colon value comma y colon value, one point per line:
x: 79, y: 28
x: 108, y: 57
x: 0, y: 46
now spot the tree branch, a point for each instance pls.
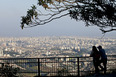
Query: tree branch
x: 40, y: 23
x: 104, y: 31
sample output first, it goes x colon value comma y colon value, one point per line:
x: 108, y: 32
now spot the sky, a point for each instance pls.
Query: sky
x: 10, y: 18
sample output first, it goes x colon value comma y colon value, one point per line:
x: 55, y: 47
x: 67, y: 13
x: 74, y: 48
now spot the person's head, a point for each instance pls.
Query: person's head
x: 99, y: 47
x: 94, y: 48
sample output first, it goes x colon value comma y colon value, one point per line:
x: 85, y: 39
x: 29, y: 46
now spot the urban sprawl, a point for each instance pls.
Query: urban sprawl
x: 54, y: 46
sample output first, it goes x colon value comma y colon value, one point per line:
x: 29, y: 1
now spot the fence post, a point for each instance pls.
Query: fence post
x: 38, y: 67
x: 78, y: 67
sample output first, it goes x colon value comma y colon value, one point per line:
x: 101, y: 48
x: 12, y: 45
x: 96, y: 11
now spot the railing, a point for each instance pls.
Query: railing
x: 55, y: 66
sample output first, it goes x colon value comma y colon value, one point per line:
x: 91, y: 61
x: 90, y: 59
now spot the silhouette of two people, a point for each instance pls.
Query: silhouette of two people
x: 99, y: 56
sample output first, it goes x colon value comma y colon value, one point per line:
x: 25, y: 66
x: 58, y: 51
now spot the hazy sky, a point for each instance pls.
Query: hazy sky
x: 10, y: 16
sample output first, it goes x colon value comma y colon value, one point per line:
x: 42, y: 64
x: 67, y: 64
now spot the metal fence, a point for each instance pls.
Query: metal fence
x: 54, y: 66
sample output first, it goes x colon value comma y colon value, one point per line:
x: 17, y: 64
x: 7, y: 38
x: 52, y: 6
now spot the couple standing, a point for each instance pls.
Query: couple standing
x: 99, y: 56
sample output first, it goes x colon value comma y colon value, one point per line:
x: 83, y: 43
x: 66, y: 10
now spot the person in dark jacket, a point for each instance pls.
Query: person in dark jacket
x: 103, y: 58
x: 96, y: 58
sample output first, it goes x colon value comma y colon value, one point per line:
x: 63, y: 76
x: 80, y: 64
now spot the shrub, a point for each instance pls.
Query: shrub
x: 8, y: 71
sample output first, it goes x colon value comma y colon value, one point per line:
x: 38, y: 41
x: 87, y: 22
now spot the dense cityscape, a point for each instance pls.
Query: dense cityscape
x: 55, y: 46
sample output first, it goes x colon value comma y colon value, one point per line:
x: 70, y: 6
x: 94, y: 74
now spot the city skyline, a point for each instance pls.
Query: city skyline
x: 10, y: 18
x: 53, y: 46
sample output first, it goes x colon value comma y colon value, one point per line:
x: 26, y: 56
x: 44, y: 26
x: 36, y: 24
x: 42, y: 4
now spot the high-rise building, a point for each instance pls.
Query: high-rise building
x: 1, y: 52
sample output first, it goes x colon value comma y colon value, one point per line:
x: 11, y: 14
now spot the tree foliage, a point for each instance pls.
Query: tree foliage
x: 101, y: 13
x: 8, y: 71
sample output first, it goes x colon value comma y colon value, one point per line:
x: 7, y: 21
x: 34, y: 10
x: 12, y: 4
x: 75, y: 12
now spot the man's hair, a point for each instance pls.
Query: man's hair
x: 100, y: 46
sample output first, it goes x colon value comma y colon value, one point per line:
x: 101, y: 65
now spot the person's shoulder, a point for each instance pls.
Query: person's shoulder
x: 103, y: 50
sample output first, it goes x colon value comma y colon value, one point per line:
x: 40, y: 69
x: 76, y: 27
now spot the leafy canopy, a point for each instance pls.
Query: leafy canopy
x: 101, y: 13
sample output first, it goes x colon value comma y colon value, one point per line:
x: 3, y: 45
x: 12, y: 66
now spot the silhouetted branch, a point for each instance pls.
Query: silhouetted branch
x: 101, y: 13
x: 104, y: 31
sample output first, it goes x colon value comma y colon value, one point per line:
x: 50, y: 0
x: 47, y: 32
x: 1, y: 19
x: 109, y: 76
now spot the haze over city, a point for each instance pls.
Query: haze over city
x: 10, y: 18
